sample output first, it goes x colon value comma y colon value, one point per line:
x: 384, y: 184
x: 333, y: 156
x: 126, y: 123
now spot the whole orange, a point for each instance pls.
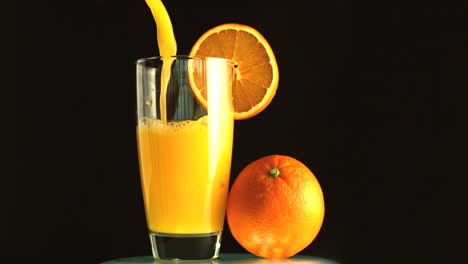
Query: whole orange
x: 275, y: 207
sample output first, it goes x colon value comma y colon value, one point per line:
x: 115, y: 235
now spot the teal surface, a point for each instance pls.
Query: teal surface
x: 228, y: 258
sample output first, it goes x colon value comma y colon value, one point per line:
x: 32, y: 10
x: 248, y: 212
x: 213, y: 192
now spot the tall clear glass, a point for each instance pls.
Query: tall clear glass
x: 185, y: 133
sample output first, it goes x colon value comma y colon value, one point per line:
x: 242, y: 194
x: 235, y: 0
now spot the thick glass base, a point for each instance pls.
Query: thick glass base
x: 185, y: 246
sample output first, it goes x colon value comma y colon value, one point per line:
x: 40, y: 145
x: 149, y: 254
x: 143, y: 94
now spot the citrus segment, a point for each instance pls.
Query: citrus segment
x: 257, y: 70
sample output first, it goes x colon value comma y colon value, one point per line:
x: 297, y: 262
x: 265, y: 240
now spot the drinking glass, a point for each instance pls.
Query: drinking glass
x: 185, y: 133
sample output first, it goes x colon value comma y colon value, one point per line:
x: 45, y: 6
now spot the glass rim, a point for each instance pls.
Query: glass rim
x: 143, y: 60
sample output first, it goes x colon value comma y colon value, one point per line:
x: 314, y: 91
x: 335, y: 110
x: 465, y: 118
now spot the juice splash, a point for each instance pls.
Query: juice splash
x: 167, y: 47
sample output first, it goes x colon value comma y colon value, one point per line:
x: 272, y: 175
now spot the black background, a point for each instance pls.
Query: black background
x: 371, y: 98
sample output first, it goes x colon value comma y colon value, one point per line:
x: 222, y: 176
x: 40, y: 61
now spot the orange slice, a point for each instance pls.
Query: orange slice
x: 257, y: 70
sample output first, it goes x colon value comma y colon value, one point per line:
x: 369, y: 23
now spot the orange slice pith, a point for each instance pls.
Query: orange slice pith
x: 257, y: 70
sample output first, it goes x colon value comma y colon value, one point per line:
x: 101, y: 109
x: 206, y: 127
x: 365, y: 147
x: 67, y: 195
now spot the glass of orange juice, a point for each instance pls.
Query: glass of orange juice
x: 185, y: 134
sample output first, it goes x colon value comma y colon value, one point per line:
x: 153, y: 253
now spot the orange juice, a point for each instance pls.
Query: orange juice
x: 185, y: 165
x: 184, y: 146
x: 185, y: 175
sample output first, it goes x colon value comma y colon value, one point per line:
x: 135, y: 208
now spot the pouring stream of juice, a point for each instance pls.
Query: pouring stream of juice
x: 167, y: 47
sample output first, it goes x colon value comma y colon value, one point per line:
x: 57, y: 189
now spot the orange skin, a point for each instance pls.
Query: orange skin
x: 275, y: 217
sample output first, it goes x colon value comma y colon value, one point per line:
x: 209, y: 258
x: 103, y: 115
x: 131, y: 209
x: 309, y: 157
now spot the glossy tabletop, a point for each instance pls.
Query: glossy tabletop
x: 228, y: 258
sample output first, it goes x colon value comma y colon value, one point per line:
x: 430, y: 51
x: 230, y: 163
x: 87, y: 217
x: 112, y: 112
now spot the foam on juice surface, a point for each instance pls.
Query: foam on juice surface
x: 165, y: 127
